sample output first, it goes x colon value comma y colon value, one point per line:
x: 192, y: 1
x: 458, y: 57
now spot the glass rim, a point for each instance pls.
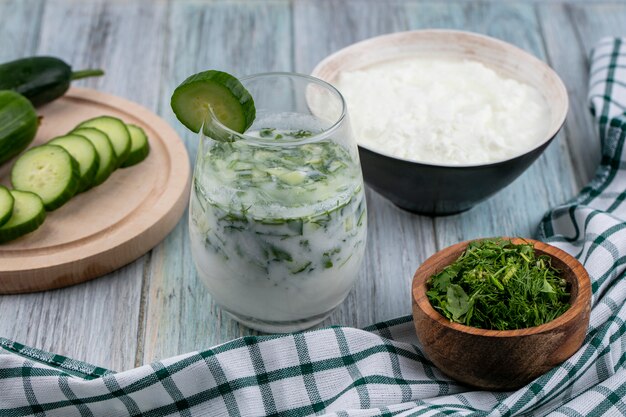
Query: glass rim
x: 315, y: 137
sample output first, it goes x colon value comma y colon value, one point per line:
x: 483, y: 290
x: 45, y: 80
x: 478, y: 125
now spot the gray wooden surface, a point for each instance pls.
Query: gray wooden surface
x: 156, y: 307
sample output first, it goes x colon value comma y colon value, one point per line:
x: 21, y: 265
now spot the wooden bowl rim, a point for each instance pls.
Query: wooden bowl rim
x: 578, y: 305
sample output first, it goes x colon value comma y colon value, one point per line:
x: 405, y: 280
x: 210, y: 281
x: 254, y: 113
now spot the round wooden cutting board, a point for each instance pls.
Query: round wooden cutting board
x: 107, y: 226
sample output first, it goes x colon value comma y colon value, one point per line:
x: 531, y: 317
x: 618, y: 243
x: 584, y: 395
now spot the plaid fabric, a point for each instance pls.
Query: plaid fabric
x: 378, y: 371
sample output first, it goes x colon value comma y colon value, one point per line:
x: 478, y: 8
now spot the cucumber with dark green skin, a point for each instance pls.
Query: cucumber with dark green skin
x: 48, y: 171
x: 41, y: 79
x: 139, y: 146
x: 6, y: 205
x: 18, y: 124
x: 28, y: 214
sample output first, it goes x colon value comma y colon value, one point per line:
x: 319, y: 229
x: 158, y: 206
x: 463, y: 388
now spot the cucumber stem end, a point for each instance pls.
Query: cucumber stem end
x: 77, y: 75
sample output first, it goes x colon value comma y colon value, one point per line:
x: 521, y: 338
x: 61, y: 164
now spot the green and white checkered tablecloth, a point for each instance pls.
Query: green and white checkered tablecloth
x: 378, y: 371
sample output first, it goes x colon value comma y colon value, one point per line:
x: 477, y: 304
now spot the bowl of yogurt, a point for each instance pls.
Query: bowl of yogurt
x: 445, y: 119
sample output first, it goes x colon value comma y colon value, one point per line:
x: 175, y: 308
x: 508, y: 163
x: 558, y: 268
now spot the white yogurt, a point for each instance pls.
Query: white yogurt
x: 443, y: 112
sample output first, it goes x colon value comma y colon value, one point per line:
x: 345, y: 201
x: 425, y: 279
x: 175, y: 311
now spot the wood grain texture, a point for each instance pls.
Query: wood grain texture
x: 568, y: 57
x: 111, y: 225
x: 514, y: 211
x: 596, y: 21
x: 19, y: 35
x: 241, y: 38
x: 397, y: 240
x: 570, y: 30
x: 97, y: 321
x: 501, y: 359
x: 517, y: 209
x: 156, y: 307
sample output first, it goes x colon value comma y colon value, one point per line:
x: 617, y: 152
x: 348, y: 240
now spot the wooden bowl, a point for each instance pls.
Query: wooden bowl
x: 501, y: 359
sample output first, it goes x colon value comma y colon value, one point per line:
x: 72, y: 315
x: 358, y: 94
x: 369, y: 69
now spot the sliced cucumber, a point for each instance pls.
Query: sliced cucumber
x: 104, y: 149
x: 84, y: 153
x: 139, y: 147
x: 48, y: 171
x: 116, y: 131
x: 28, y: 215
x: 231, y: 103
x: 6, y: 205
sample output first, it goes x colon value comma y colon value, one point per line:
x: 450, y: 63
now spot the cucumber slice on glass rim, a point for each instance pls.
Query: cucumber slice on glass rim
x: 230, y: 102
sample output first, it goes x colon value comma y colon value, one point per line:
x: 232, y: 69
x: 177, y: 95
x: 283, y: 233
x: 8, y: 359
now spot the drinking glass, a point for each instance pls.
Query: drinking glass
x: 278, y: 214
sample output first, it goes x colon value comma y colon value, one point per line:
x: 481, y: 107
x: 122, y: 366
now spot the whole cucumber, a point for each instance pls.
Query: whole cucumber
x: 18, y: 124
x: 41, y: 79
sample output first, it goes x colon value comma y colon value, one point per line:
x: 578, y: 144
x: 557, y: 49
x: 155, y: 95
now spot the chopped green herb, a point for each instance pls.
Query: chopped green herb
x: 327, y: 257
x: 266, y: 132
x: 299, y: 269
x: 361, y: 217
x: 299, y: 134
x: 345, y: 261
x: 279, y: 255
x: 498, y: 285
x: 297, y: 236
x: 270, y: 132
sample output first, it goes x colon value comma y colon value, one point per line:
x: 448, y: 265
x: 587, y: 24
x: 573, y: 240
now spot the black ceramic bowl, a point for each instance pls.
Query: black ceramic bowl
x: 448, y: 189
x: 436, y: 189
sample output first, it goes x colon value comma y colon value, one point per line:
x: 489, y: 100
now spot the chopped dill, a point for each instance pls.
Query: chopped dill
x: 498, y: 285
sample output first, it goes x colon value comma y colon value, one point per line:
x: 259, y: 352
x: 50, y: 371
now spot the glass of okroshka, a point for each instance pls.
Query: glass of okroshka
x: 278, y: 214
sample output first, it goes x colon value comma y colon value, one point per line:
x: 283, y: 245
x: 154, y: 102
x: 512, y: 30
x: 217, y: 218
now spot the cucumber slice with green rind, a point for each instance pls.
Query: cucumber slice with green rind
x: 116, y: 131
x: 6, y: 205
x: 231, y: 103
x: 48, y: 171
x: 28, y: 214
x: 83, y: 151
x: 139, y: 147
x: 106, y: 154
